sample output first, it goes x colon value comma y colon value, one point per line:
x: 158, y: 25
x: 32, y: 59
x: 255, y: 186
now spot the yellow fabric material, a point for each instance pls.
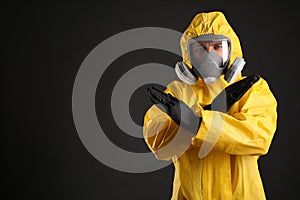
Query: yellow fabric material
x: 230, y: 170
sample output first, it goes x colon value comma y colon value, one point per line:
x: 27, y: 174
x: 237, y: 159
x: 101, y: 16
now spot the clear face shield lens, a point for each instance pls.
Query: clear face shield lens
x: 199, y: 49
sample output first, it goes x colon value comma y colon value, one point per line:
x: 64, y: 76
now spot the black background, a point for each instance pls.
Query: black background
x: 44, y: 45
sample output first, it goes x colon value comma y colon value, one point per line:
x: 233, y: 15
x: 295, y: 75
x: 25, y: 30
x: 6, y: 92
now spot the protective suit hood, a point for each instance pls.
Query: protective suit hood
x: 210, y: 23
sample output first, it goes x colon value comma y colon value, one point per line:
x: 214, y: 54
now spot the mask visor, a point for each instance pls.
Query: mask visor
x: 221, y: 46
x: 209, y: 55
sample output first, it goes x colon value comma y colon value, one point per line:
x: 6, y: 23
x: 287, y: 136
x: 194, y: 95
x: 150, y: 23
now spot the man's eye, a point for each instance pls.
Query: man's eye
x: 218, y: 46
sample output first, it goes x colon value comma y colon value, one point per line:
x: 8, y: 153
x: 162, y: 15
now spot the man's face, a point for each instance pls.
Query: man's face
x: 199, y: 47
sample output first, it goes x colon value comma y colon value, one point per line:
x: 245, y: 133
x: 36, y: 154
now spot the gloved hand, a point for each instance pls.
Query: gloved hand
x: 185, y: 117
x: 175, y: 108
x: 232, y: 94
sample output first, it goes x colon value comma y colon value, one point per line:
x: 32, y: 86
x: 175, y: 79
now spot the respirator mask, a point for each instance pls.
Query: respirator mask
x: 209, y: 55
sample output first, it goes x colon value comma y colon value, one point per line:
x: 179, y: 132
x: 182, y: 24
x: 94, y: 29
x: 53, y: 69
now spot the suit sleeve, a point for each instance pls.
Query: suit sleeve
x: 247, y: 129
x: 162, y: 135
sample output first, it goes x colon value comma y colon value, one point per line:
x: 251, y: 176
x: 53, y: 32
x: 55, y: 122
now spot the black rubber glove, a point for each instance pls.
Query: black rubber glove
x: 185, y: 117
x: 175, y: 108
x: 231, y: 94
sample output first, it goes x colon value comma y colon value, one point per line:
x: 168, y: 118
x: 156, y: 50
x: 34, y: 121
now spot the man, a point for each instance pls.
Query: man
x: 215, y: 123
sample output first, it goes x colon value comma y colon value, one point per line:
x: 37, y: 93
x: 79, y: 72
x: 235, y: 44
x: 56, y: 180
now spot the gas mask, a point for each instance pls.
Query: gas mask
x: 209, y: 55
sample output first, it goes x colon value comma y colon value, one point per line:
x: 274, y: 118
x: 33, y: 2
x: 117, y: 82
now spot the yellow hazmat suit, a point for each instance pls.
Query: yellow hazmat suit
x: 229, y: 170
